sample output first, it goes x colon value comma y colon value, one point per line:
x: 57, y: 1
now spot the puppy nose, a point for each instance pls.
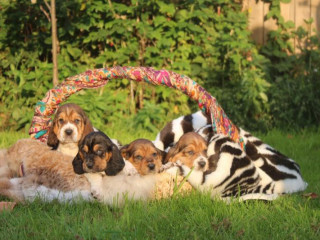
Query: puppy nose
x: 90, y: 165
x: 202, y: 163
x: 68, y: 131
x: 151, y: 166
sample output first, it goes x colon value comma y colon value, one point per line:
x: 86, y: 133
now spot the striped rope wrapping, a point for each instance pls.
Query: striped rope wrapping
x: 44, y: 109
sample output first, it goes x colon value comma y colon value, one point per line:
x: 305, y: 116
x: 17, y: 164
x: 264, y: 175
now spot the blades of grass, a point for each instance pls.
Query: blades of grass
x: 177, y: 188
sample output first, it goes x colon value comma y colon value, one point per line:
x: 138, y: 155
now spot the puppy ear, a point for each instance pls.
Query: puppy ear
x: 77, y: 164
x: 116, y: 163
x: 172, y: 152
x: 124, y: 151
x: 163, y: 155
x: 88, y: 128
x: 52, y: 137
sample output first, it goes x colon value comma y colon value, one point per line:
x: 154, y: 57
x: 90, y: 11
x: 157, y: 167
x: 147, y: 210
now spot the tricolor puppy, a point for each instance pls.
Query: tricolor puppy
x: 142, y: 157
x: 97, y: 153
x: 230, y: 171
x: 70, y: 125
x: 190, y: 150
x: 174, y: 129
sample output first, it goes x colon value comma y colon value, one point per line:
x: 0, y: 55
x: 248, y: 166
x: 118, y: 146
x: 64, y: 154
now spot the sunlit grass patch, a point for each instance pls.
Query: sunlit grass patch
x: 191, y: 216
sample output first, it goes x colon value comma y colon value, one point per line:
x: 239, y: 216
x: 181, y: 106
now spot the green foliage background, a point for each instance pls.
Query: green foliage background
x: 259, y: 87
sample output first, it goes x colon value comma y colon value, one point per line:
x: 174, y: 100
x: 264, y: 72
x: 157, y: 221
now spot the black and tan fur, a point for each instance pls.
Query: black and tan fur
x: 98, y: 153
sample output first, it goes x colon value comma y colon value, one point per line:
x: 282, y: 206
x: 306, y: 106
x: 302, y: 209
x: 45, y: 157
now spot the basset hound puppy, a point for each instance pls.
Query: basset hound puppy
x: 70, y: 126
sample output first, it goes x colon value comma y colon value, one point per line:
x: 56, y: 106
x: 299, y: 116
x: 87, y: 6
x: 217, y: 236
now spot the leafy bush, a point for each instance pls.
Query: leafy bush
x: 295, y: 95
x: 294, y: 77
x: 207, y: 40
x: 192, y: 38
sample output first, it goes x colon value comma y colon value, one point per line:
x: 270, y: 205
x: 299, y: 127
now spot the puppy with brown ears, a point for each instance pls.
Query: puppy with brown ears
x: 278, y: 173
x: 191, y: 151
x: 144, y: 156
x: 97, y: 153
x: 138, y: 178
x: 70, y: 125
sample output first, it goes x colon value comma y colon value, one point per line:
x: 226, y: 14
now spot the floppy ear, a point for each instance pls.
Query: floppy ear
x: 77, y: 164
x: 172, y: 152
x: 163, y: 155
x: 88, y: 128
x: 116, y: 163
x: 52, y: 137
x: 124, y: 151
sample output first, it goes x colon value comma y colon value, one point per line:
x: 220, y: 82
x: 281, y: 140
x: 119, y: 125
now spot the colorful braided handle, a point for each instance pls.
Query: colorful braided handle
x: 41, y: 121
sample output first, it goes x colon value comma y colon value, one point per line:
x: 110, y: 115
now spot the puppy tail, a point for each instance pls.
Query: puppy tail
x: 10, y: 188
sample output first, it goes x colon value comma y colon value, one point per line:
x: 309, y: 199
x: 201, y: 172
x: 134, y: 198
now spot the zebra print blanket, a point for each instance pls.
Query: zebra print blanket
x: 258, y: 172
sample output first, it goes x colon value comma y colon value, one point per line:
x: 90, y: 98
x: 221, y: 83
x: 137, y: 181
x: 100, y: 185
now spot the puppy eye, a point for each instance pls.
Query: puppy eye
x: 99, y: 152
x: 191, y: 153
x: 77, y: 121
x: 138, y: 158
x: 154, y: 154
x: 61, y: 120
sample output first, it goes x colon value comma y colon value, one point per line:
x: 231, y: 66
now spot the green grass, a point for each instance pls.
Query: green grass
x: 9, y: 138
x: 194, y: 216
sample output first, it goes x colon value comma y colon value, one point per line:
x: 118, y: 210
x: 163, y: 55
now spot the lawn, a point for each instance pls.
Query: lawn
x: 193, y: 216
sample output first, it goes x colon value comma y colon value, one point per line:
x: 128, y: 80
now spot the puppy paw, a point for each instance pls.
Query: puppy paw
x: 178, y: 162
x: 131, y: 172
x: 95, y: 194
x: 129, y: 169
x: 174, y: 170
x: 166, y: 166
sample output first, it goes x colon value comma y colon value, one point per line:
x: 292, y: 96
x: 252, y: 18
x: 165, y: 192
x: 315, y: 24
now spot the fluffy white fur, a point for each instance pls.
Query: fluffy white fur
x: 29, y: 192
x: 116, y: 189
x: 68, y: 144
x: 198, y: 121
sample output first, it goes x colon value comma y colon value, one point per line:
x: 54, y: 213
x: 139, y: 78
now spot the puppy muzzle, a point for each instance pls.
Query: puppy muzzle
x: 89, y: 164
x: 68, y: 133
x: 151, y: 166
x: 201, y: 164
